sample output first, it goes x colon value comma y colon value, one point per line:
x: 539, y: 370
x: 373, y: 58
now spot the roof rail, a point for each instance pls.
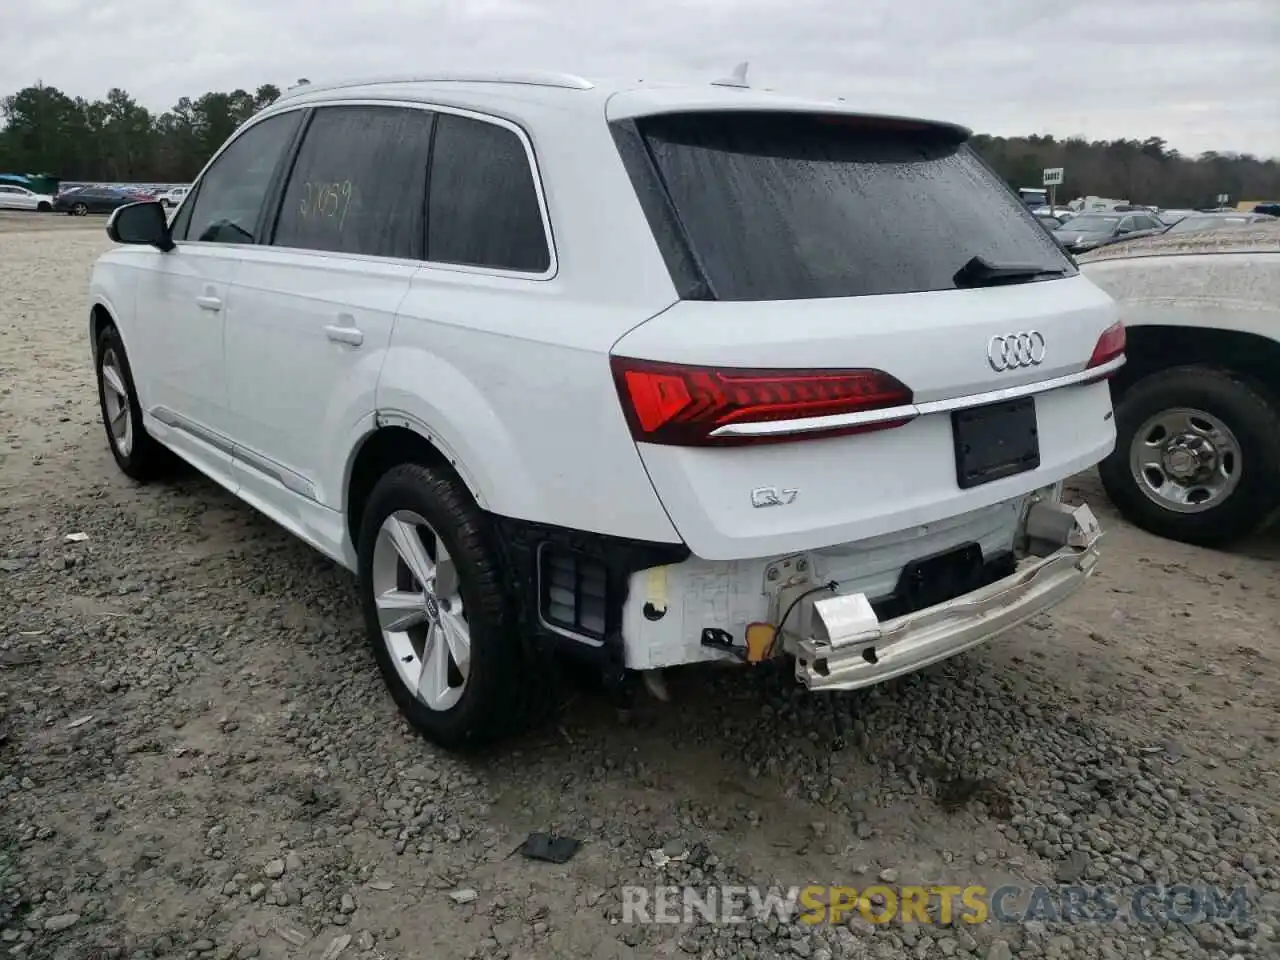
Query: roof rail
x: 537, y: 78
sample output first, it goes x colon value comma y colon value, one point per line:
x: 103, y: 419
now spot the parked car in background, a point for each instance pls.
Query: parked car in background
x: 86, y: 200
x: 1092, y: 204
x: 174, y: 196
x: 1050, y: 222
x: 1170, y: 217
x: 1061, y: 214
x: 848, y: 298
x: 1197, y: 456
x: 1034, y: 196
x: 20, y: 198
x: 1200, y: 222
x: 1089, y: 230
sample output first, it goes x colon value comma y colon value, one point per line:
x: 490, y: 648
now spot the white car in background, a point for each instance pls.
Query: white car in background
x: 174, y: 196
x: 1061, y: 214
x: 1198, y: 406
x: 642, y: 375
x: 14, y: 197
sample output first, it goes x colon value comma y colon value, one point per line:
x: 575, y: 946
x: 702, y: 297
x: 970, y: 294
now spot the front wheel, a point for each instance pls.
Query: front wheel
x: 136, y: 453
x: 44, y: 208
x: 437, y: 613
x: 1197, y: 456
x: 80, y: 210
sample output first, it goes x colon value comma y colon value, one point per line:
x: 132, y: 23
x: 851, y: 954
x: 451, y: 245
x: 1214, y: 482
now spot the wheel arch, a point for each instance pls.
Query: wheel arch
x: 100, y: 317
x: 393, y: 441
x: 1155, y: 347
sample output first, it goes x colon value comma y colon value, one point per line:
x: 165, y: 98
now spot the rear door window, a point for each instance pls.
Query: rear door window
x: 359, y: 183
x: 483, y: 208
x: 786, y: 206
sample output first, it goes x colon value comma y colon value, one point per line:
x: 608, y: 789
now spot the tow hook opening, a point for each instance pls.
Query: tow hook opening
x: 869, y: 655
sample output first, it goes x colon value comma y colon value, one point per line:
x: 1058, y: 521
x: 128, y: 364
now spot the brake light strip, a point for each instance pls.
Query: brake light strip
x: 908, y: 411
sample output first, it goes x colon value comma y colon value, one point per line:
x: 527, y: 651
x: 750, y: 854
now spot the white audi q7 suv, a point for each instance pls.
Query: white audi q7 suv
x: 644, y: 374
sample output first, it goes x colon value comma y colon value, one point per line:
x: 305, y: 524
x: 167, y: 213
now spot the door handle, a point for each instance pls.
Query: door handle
x: 212, y: 304
x: 348, y: 335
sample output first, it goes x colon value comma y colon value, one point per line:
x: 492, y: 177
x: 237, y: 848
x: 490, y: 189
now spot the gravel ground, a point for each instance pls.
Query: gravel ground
x: 197, y: 758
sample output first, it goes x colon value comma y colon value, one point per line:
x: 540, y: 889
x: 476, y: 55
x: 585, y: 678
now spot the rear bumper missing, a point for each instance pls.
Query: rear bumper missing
x: 844, y: 646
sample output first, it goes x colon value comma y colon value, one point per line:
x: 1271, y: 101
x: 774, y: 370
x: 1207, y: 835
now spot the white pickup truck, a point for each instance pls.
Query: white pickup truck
x: 1197, y: 454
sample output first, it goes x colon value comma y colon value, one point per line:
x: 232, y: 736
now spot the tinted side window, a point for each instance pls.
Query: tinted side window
x: 182, y: 219
x: 483, y: 207
x: 232, y: 191
x: 359, y: 182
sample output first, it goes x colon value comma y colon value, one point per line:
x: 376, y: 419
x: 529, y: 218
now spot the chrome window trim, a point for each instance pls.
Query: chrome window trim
x: 553, y: 266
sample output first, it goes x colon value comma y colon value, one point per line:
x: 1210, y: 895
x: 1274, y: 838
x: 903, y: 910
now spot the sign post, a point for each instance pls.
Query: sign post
x: 1222, y: 199
x: 1052, y: 178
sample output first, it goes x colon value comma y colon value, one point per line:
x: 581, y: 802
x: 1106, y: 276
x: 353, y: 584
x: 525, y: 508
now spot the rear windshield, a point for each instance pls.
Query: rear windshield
x: 782, y: 206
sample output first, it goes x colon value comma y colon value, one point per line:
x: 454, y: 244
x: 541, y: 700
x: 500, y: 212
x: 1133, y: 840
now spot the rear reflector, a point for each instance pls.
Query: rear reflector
x: 1109, y: 346
x: 682, y: 405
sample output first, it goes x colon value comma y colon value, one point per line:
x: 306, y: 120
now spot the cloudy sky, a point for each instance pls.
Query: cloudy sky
x: 1203, y: 74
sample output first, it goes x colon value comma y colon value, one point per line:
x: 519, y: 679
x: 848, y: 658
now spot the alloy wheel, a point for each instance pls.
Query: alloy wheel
x: 420, y: 612
x: 115, y: 400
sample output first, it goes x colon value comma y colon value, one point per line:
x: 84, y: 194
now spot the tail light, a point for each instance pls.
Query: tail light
x: 705, y: 406
x: 1110, y: 345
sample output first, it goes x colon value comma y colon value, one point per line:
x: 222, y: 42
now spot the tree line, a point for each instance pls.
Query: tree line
x: 117, y: 140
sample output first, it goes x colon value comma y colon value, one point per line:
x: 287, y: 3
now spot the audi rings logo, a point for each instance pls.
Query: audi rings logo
x: 1016, y: 350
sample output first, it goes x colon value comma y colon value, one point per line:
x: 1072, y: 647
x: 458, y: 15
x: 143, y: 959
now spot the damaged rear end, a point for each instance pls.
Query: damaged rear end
x: 859, y: 415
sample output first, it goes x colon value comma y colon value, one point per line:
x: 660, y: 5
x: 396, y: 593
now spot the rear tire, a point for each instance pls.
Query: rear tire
x: 503, y: 687
x: 80, y: 210
x: 136, y: 452
x: 1245, y: 441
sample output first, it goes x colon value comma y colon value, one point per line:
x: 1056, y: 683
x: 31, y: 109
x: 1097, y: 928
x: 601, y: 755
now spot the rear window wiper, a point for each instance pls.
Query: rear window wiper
x: 981, y: 272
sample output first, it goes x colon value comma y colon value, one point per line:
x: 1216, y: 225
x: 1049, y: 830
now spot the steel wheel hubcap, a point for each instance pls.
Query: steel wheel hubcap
x: 115, y: 400
x: 415, y: 590
x: 1185, y: 460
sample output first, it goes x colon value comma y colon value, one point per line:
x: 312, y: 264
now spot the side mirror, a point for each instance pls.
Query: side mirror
x: 144, y: 223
